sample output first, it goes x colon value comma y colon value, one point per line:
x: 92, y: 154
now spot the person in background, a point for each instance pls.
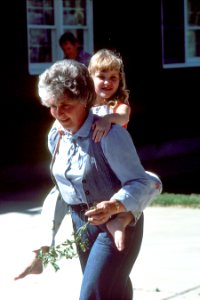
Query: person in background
x: 86, y: 173
x: 72, y: 49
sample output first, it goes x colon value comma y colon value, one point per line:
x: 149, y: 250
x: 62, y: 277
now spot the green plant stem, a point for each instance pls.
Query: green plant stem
x: 67, y: 249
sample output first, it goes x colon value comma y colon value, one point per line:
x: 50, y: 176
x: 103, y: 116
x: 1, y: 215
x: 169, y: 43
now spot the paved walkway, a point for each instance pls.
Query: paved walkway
x: 168, y: 266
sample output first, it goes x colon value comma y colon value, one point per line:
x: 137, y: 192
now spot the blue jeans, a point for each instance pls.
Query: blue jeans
x: 105, y: 269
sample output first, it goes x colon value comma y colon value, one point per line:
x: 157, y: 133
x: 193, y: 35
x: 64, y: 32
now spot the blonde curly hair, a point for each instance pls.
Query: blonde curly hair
x: 106, y: 60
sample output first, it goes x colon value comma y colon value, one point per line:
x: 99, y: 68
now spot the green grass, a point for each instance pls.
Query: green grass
x: 169, y: 199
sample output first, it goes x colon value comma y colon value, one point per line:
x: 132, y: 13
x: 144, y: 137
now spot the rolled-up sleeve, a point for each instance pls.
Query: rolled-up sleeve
x: 139, y: 188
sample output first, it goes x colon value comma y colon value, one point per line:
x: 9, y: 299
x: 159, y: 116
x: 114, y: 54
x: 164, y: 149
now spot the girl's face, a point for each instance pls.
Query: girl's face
x: 71, y: 114
x: 106, y: 83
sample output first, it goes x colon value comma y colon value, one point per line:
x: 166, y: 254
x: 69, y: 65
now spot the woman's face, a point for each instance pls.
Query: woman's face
x: 71, y: 114
x: 106, y: 83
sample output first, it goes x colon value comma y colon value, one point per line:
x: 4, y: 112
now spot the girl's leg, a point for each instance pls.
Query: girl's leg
x: 117, y: 226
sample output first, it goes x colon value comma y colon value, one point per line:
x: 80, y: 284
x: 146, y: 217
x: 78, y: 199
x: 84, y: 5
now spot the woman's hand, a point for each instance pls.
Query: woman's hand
x: 35, y: 266
x: 103, y: 211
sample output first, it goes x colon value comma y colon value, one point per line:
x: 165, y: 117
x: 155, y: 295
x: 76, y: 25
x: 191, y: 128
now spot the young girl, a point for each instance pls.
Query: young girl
x: 107, y: 70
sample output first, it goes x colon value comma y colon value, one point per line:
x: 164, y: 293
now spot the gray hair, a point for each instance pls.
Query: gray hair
x: 66, y: 78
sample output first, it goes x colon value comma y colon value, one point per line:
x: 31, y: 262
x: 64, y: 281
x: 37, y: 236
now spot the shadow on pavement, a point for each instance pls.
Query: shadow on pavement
x: 28, y: 202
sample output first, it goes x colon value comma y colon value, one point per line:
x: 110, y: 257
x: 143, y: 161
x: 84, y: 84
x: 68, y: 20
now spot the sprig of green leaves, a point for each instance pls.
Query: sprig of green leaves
x: 66, y: 249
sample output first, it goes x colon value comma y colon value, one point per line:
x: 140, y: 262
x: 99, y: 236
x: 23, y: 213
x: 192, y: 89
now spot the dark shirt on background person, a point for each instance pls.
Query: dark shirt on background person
x: 72, y: 49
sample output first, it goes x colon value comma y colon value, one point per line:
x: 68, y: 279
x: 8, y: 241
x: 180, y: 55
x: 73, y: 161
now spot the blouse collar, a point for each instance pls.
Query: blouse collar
x: 83, y: 131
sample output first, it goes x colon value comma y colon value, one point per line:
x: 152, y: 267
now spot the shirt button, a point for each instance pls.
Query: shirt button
x: 87, y: 192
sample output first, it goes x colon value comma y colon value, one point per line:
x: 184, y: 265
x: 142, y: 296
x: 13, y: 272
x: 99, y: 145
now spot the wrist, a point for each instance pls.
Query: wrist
x: 117, y: 207
x: 44, y: 249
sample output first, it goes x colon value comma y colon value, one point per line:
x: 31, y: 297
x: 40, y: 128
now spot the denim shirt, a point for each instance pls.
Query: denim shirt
x: 120, y: 156
x: 110, y: 169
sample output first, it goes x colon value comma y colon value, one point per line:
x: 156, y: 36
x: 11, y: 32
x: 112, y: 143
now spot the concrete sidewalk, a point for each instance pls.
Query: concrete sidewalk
x: 168, y: 266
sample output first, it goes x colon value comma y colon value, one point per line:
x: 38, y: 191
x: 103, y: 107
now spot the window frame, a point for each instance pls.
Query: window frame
x: 57, y: 29
x: 187, y: 61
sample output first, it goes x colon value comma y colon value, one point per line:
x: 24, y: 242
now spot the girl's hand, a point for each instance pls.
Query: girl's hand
x: 101, y: 128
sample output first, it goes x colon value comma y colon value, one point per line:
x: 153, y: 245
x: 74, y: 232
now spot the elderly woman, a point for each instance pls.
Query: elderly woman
x: 97, y: 181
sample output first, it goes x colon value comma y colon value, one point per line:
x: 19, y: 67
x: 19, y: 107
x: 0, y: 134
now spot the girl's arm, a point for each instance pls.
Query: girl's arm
x: 120, y: 116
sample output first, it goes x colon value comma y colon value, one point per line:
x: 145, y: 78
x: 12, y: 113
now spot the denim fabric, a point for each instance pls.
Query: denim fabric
x: 110, y: 171
x: 136, y: 189
x: 105, y: 269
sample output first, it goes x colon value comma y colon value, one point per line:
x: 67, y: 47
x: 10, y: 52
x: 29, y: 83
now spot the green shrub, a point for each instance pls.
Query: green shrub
x: 169, y: 199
